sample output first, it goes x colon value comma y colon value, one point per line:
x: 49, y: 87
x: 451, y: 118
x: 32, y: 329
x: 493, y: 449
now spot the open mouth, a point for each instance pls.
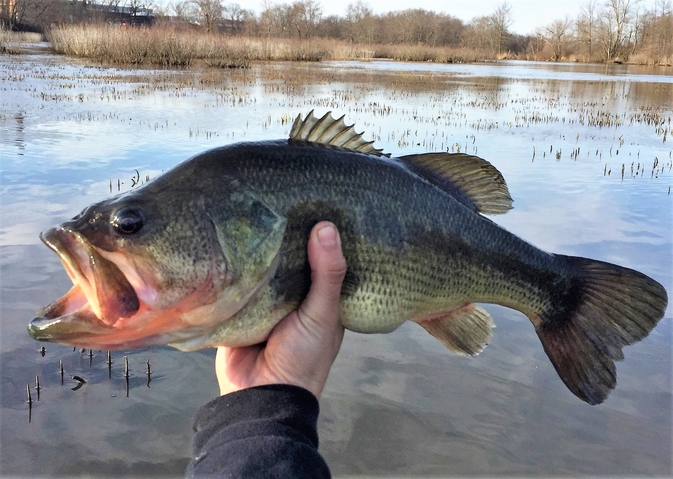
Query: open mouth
x: 100, y: 297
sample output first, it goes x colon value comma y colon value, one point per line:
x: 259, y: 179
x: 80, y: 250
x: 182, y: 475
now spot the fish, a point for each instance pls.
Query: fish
x: 213, y: 253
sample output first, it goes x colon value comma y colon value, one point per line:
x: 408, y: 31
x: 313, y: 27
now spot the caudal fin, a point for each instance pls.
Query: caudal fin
x: 606, y: 308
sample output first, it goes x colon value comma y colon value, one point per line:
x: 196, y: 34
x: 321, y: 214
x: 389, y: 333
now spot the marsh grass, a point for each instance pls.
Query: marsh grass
x: 168, y: 46
x: 10, y: 42
x: 650, y: 59
x: 163, y: 47
x: 422, y: 53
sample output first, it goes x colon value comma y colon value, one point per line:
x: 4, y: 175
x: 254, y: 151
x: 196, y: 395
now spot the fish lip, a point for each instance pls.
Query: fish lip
x: 60, y: 241
x: 52, y: 329
x: 88, y: 308
x: 36, y: 327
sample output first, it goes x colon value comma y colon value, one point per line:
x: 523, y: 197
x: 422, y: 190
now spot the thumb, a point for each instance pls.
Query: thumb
x: 328, y: 269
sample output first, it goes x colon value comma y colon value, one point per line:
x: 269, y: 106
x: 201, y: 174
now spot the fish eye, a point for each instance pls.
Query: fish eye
x: 128, y: 221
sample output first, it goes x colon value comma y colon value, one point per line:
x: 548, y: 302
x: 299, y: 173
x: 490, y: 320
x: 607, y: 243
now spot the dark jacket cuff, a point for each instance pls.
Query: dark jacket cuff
x: 265, y: 431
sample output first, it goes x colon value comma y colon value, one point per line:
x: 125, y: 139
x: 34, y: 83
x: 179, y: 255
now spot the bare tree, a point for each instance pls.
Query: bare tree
x: 614, y: 27
x: 502, y: 20
x: 161, y: 12
x: 556, y: 35
x: 135, y: 6
x: 480, y: 34
x: 305, y: 16
x: 360, y: 23
x: 450, y: 30
x: 32, y: 12
x: 236, y: 15
x: 535, y: 45
x: 586, y: 25
x: 656, y: 34
x: 210, y: 12
x: 12, y: 12
x: 275, y: 20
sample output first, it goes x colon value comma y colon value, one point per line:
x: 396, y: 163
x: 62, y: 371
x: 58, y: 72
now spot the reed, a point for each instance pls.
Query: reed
x: 422, y: 53
x: 10, y: 42
x: 169, y: 46
x: 110, y: 44
x: 650, y: 59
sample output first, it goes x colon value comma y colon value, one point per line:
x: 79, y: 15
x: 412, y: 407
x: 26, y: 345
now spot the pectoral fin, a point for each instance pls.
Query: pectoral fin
x: 465, y: 331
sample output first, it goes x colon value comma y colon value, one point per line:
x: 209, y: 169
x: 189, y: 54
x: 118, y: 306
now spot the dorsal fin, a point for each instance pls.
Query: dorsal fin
x: 331, y: 132
x: 474, y: 181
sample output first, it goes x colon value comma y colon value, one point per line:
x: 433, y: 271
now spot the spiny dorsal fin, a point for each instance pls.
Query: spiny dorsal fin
x: 474, y: 181
x: 331, y: 132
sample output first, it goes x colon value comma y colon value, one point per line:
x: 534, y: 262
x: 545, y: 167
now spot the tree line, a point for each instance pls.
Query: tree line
x: 603, y: 30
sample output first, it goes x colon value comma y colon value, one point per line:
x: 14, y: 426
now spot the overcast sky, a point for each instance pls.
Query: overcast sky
x: 527, y: 14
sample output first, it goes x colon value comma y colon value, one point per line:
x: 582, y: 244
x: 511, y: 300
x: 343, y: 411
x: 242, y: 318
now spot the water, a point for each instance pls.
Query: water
x: 396, y: 404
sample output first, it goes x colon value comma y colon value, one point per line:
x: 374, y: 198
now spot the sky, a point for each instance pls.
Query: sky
x: 527, y: 14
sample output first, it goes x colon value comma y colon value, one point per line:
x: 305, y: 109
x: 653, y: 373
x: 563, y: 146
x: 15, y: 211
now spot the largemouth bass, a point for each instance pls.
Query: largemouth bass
x: 213, y: 252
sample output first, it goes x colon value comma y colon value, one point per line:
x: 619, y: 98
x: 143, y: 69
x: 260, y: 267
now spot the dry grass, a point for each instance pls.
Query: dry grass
x: 421, y: 53
x: 155, y: 46
x: 10, y: 42
x: 650, y: 59
x: 168, y: 46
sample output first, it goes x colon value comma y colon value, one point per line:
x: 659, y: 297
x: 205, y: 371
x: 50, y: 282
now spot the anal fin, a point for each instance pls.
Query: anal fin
x: 465, y: 331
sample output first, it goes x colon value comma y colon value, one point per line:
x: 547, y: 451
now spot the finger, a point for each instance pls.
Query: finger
x: 328, y: 269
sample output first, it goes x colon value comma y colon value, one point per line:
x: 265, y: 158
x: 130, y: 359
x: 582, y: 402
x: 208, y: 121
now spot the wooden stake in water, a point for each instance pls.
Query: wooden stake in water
x: 60, y: 365
x: 126, y: 367
x: 30, y: 398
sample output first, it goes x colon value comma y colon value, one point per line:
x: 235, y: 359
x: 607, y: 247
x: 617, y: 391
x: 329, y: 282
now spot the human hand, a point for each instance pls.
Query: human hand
x: 302, y: 347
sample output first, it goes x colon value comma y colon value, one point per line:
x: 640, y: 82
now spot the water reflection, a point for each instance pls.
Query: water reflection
x: 396, y: 404
x: 514, y: 69
x: 19, y: 142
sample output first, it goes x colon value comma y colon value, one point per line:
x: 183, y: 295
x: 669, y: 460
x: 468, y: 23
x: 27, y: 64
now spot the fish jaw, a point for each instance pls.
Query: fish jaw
x: 113, y: 303
x: 67, y: 329
x: 101, y: 295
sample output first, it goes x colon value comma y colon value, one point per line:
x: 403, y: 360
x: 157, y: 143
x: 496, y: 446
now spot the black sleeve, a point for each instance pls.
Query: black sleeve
x: 261, y: 432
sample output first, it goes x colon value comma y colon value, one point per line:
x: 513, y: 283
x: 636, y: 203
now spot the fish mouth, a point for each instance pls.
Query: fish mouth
x: 101, y: 295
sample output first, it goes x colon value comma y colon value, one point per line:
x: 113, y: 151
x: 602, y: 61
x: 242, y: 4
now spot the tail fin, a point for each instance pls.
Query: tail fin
x: 607, y: 307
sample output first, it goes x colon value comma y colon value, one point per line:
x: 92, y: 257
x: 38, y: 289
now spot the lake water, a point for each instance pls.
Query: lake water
x: 587, y: 154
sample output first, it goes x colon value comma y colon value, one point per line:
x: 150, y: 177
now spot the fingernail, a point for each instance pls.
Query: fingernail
x: 327, y: 236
